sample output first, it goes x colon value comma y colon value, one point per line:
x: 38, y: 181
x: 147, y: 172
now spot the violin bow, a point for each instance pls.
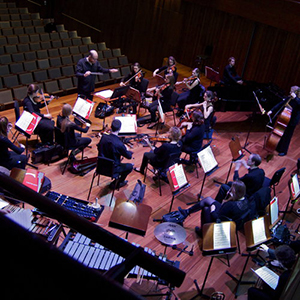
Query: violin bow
x: 46, y: 105
x: 133, y: 76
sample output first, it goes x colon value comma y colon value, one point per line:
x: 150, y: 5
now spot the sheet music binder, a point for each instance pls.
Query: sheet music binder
x: 119, y: 92
x: 83, y: 108
x: 236, y: 148
x: 27, y: 123
x: 207, y: 160
x: 177, y: 178
x: 133, y: 94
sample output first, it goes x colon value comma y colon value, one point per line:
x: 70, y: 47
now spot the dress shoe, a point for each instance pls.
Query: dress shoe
x: 138, y: 170
x: 122, y: 184
x: 281, y: 154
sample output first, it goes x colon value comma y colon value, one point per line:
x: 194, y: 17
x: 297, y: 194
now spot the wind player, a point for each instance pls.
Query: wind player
x: 84, y: 72
x: 110, y: 146
x: 33, y: 103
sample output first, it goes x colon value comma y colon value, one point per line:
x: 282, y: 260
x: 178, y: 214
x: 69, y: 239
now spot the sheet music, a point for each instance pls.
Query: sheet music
x: 22, y: 217
x: 28, y: 122
x: 207, y: 159
x: 129, y: 125
x: 274, y: 210
x: 221, y: 239
x: 178, y: 176
x: 295, y: 187
x: 268, y: 276
x: 258, y: 229
x: 161, y: 112
x: 104, y: 94
x: 83, y: 108
x: 3, y: 203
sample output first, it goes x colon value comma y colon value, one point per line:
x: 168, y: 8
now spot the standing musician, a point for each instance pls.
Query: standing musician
x: 67, y: 127
x: 110, y: 146
x: 294, y: 101
x: 207, y: 106
x: 134, y: 78
x: 192, y: 95
x: 164, y: 94
x: 193, y: 138
x: 169, y: 69
x: 33, y: 103
x: 159, y: 156
x: 10, y: 159
x: 85, y: 72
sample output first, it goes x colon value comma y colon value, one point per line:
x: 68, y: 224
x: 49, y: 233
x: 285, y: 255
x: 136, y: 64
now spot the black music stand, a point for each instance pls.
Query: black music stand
x: 212, y: 75
x: 225, y: 245
x: 262, y: 226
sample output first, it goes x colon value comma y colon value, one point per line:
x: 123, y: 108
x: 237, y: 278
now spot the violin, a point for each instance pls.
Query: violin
x: 138, y: 77
x: 40, y: 97
x: 172, y: 69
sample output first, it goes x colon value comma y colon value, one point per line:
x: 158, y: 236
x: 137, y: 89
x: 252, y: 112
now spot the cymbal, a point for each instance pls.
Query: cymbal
x: 170, y: 233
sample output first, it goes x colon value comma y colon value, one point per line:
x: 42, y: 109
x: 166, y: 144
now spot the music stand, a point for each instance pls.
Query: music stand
x: 218, y: 239
x: 208, y: 164
x: 134, y: 95
x: 212, y: 75
x: 294, y: 195
x: 130, y: 217
x: 177, y: 181
x: 256, y: 232
x: 82, y: 109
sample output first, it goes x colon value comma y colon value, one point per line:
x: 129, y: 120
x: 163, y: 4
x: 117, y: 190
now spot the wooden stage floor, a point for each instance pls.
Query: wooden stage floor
x: 229, y: 124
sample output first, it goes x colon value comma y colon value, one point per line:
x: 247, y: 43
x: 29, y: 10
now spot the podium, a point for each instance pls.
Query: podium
x: 257, y: 232
x: 218, y: 239
x: 130, y: 217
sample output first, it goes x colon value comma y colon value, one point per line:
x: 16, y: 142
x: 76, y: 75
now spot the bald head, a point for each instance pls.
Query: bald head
x: 93, y: 56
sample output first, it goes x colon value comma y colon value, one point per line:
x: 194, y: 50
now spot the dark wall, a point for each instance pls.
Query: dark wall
x: 262, y: 35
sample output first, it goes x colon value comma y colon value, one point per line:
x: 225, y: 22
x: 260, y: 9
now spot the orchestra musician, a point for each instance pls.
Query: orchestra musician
x: 230, y: 76
x: 164, y: 94
x: 211, y: 210
x: 110, y: 146
x: 294, y: 102
x: 193, y: 138
x: 14, y: 158
x: 85, y: 72
x: 160, y: 155
x: 169, y: 69
x: 207, y: 107
x: 32, y: 103
x: 134, y: 78
x: 192, y: 95
x: 67, y: 127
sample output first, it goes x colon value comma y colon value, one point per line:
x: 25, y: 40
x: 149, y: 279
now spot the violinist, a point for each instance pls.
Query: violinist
x: 32, y: 103
x: 169, y: 69
x: 67, y: 127
x: 207, y: 107
x: 14, y: 158
x: 164, y: 94
x: 192, y: 140
x: 134, y: 79
x: 294, y: 102
x: 192, y: 94
x: 159, y: 156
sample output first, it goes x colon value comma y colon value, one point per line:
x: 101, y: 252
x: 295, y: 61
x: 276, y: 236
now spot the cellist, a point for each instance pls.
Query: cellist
x: 294, y: 102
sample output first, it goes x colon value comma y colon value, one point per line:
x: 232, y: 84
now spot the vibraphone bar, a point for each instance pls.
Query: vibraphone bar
x: 94, y: 255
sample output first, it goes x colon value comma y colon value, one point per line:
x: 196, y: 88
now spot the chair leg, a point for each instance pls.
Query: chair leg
x: 159, y: 184
x: 238, y: 241
x: 66, y: 164
x: 94, y: 175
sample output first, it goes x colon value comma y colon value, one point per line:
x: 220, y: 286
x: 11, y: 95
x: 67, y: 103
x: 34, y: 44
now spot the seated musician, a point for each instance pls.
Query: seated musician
x: 159, y: 156
x: 234, y: 207
x: 192, y: 95
x: 72, y: 140
x: 14, y: 158
x: 230, y: 76
x: 294, y: 102
x: 32, y: 103
x: 169, y: 69
x: 134, y: 78
x: 253, y: 180
x: 110, y: 146
x: 207, y: 107
x: 193, y: 138
x: 164, y: 94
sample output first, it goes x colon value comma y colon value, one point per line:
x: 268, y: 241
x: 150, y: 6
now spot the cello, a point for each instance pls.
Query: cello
x: 280, y: 126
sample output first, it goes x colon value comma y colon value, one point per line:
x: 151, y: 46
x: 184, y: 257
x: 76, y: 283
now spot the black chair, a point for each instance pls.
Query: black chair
x: 274, y: 181
x: 174, y: 98
x: 159, y: 172
x: 105, y: 167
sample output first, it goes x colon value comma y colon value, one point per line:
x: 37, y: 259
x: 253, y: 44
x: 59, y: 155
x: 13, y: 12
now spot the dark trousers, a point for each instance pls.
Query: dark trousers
x: 223, y: 190
x: 45, y: 130
x: 15, y: 161
x: 148, y: 157
x: 285, y: 140
x: 124, y: 170
x: 82, y: 142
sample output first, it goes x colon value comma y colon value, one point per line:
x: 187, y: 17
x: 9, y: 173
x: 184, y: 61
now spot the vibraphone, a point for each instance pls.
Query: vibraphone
x: 42, y: 226
x: 96, y: 256
x: 78, y: 206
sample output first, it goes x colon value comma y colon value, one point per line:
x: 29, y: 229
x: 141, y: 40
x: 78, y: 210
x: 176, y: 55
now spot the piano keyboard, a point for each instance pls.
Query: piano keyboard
x: 96, y: 256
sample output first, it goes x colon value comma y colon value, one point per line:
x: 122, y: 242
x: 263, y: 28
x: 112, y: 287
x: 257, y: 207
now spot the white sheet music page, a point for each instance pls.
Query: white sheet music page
x: 161, y: 112
x: 22, y: 218
x: 178, y: 176
x: 28, y: 122
x: 83, y: 108
x: 259, y: 232
x: 104, y: 94
x: 268, y: 276
x: 274, y: 210
x: 129, y: 125
x: 221, y: 238
x: 207, y: 159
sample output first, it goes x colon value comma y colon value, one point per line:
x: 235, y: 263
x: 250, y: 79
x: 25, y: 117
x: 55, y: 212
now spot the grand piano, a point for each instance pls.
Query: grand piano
x: 242, y: 98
